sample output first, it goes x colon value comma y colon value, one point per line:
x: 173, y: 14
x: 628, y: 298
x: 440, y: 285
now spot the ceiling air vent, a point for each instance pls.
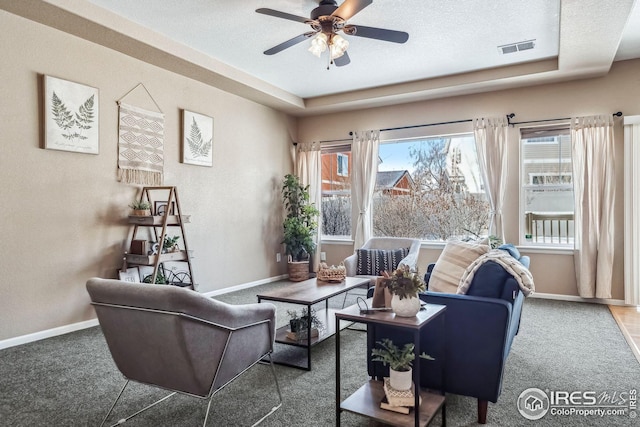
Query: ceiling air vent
x: 517, y: 47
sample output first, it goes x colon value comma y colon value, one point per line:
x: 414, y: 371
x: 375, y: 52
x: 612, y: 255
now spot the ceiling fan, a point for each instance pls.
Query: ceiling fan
x: 326, y: 21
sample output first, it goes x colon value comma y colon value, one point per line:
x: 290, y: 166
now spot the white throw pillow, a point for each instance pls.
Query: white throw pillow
x: 452, y: 263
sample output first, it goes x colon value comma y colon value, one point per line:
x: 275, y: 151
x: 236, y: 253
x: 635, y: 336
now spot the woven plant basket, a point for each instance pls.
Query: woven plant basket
x: 298, y: 270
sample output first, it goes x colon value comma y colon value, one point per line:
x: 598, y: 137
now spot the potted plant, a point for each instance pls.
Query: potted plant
x: 400, y: 361
x: 300, y: 226
x: 170, y: 244
x: 404, y: 286
x: 140, y: 208
x: 299, y: 325
x: 160, y: 279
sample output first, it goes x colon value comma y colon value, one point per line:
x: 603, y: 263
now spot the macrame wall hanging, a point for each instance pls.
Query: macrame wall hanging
x: 140, y: 143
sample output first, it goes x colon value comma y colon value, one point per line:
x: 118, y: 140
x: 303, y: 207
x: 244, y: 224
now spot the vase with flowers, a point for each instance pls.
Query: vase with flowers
x: 404, y: 286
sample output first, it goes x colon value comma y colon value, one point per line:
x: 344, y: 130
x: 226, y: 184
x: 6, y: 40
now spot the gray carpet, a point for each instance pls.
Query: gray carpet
x: 71, y: 380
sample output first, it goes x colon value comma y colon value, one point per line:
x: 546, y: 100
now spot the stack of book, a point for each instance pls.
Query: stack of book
x: 397, y: 400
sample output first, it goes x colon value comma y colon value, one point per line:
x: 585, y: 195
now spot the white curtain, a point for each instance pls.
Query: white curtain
x: 364, y: 159
x: 308, y: 163
x: 632, y: 210
x: 594, y: 188
x: 491, y: 145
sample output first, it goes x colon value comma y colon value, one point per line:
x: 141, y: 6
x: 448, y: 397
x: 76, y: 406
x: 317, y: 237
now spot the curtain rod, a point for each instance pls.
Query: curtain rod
x: 330, y: 140
x: 423, y: 125
x: 512, y: 115
x: 509, y: 117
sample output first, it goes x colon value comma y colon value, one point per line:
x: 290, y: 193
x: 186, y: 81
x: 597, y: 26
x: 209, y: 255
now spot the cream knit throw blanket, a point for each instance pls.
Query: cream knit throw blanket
x: 518, y: 271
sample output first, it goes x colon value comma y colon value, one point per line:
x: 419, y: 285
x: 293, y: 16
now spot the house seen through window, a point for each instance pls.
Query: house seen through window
x: 343, y: 164
x: 547, y: 186
x: 430, y: 189
x: 336, y: 191
x: 426, y: 188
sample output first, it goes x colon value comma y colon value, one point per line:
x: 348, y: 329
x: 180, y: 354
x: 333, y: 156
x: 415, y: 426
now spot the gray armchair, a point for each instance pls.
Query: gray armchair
x: 179, y: 340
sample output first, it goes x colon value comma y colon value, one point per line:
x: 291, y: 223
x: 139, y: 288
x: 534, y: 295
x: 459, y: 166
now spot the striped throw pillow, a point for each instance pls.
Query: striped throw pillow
x: 371, y: 262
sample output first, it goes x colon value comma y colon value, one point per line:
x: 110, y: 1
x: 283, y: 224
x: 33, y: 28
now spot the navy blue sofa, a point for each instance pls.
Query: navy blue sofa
x: 479, y: 328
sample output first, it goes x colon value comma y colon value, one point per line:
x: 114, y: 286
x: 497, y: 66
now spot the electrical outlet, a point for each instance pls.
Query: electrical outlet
x: 278, y: 257
x: 323, y: 256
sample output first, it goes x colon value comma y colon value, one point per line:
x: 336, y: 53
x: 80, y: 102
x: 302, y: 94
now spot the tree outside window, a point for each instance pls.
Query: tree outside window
x: 446, y: 199
x: 428, y: 188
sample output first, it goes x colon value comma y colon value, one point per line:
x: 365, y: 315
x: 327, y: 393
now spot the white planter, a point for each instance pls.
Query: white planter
x: 400, y: 380
x: 406, y: 307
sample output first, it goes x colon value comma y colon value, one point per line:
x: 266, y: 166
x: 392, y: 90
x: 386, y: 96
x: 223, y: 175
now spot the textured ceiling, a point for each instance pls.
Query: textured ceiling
x: 452, y: 47
x: 445, y: 37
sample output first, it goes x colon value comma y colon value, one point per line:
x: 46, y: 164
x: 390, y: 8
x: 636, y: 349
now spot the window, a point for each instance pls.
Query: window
x: 430, y: 188
x: 336, y: 191
x: 547, y: 185
x: 343, y: 164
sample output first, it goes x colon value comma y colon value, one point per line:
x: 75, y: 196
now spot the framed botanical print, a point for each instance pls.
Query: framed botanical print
x: 197, y: 139
x: 71, y: 116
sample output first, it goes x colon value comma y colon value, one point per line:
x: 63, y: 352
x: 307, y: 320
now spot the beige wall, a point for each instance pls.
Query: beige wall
x: 618, y: 91
x: 63, y: 214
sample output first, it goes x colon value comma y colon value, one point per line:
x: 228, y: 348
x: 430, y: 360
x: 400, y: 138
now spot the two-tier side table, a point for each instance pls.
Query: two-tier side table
x: 366, y: 400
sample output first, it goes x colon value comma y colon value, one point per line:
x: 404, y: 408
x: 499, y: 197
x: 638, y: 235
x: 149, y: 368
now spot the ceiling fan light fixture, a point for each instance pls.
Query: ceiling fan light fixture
x: 318, y: 44
x: 338, y: 46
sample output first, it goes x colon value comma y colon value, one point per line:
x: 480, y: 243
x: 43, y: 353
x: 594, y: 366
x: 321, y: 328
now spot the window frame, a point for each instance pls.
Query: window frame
x: 342, y: 160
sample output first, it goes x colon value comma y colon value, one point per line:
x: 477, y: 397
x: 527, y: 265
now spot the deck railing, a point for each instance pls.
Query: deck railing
x: 550, y: 227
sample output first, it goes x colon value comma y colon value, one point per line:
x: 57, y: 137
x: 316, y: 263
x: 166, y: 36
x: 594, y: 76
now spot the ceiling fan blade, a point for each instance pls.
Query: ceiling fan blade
x: 343, y: 60
x: 380, y: 34
x: 283, y: 15
x: 350, y: 8
x: 289, y: 43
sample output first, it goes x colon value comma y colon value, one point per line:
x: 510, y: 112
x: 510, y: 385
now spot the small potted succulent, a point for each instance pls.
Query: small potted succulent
x: 140, y: 208
x: 400, y: 361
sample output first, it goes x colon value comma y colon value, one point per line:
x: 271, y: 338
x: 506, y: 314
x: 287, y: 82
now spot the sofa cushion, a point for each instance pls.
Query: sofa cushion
x: 452, y: 263
x: 373, y: 261
x: 489, y: 281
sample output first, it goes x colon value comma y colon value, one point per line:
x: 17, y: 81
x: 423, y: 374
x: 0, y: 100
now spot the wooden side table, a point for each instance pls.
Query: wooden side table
x: 366, y: 400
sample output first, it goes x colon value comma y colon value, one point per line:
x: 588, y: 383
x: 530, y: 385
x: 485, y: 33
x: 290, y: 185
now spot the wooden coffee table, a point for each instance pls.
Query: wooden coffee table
x: 308, y: 293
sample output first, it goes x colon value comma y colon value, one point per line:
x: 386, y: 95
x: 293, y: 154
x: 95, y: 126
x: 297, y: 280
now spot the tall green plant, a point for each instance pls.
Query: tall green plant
x: 300, y: 225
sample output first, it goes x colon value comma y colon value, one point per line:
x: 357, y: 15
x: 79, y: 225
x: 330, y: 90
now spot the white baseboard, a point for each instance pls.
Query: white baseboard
x: 245, y: 285
x: 49, y: 333
x: 575, y: 298
x: 36, y: 336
